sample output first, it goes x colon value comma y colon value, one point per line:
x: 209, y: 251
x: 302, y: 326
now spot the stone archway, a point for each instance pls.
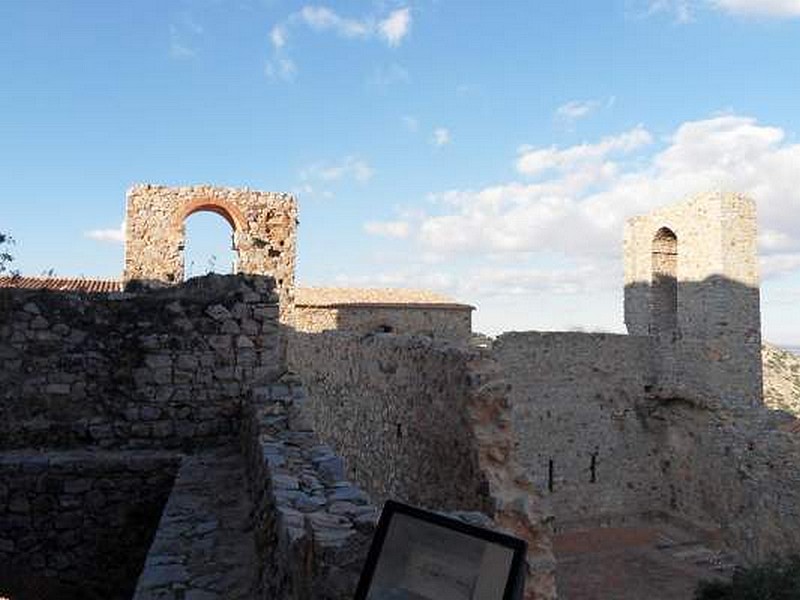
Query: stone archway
x: 220, y: 213
x: 263, y: 223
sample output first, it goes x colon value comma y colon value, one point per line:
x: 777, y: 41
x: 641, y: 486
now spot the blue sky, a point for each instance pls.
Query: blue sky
x: 487, y: 150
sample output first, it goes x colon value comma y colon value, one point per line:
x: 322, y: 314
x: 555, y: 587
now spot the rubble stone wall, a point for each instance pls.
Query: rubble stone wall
x: 427, y: 423
x: 264, y: 233
x: 446, y: 323
x: 580, y: 437
x: 164, y: 368
x: 739, y: 478
x: 78, y: 524
x: 313, y: 526
x: 395, y: 407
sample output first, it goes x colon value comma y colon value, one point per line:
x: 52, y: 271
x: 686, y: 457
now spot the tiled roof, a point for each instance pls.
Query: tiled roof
x: 63, y: 284
x: 312, y: 296
x: 373, y: 297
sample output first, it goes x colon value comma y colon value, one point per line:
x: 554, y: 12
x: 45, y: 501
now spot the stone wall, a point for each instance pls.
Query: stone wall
x: 714, y: 346
x: 77, y: 525
x: 439, y: 322
x: 427, y: 423
x: 313, y: 526
x: 737, y: 477
x: 164, y: 368
x: 611, y: 447
x: 395, y: 407
x: 263, y: 224
x: 580, y: 435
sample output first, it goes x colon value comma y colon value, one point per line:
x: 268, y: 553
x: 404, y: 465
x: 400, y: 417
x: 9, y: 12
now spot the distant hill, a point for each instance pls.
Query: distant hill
x: 781, y: 379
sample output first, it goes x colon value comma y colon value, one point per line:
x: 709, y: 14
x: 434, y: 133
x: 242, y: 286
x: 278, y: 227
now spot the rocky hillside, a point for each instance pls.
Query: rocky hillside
x: 781, y: 379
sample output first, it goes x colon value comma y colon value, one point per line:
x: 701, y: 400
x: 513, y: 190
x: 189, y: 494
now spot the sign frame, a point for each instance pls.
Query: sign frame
x: 516, y: 573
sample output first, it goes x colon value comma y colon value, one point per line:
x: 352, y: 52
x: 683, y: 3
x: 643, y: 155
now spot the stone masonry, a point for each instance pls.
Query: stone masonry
x: 163, y: 368
x: 698, y: 259
x: 382, y: 310
x: 263, y: 225
x: 277, y: 472
x: 76, y: 525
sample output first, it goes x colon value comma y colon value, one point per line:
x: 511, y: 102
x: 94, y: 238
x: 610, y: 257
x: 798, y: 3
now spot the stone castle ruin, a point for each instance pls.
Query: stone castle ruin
x: 239, y: 433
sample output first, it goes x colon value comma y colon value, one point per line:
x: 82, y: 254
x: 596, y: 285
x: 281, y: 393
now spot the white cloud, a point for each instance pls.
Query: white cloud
x: 278, y: 36
x: 350, y: 167
x: 280, y: 68
x: 579, y: 204
x: 577, y: 109
x: 533, y: 161
x: 392, y: 28
x: 555, y: 242
x: 441, y: 136
x: 389, y: 75
x: 684, y: 10
x: 116, y: 236
x: 764, y: 8
x: 184, y: 32
x: 396, y: 26
x: 179, y: 49
x: 773, y: 265
x: 321, y: 18
x: 392, y: 229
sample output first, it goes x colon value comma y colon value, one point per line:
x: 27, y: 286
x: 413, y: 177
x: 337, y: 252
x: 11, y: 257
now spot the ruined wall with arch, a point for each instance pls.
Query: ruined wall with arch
x: 263, y: 224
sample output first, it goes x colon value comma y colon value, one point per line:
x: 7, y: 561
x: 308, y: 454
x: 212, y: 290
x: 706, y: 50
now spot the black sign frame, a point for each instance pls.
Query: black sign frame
x: 515, y: 582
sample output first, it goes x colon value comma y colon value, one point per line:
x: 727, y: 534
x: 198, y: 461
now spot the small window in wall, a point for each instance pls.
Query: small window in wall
x: 664, y: 283
x: 593, y: 468
x: 384, y: 329
x: 550, y: 475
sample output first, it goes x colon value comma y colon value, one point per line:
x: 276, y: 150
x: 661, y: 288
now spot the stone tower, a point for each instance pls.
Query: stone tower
x: 691, y: 283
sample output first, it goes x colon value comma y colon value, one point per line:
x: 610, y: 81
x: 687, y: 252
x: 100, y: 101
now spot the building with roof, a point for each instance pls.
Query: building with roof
x: 382, y: 311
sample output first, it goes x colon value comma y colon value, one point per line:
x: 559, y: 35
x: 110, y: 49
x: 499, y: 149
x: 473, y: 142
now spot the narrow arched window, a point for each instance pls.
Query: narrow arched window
x: 664, y: 283
x: 208, y: 245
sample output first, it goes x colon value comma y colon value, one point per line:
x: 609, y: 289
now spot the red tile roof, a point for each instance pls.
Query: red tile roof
x: 63, y: 284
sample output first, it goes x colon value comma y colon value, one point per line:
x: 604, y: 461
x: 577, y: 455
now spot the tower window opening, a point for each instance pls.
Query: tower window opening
x: 664, y: 282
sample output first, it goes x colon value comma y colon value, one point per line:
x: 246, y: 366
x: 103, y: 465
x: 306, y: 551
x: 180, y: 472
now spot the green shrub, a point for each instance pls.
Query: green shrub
x: 776, y: 579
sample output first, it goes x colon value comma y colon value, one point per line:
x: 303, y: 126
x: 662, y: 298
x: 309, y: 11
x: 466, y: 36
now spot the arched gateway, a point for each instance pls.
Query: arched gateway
x: 263, y: 223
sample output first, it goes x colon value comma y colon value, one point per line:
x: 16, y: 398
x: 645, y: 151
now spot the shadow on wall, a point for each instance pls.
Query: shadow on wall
x: 706, y: 337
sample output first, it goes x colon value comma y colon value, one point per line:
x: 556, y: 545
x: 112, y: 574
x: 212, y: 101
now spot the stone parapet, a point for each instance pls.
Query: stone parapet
x: 159, y: 368
x: 313, y: 526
